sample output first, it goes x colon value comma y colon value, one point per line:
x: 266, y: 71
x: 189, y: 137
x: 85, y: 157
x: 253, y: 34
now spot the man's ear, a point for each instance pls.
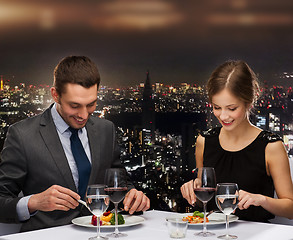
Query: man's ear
x: 55, y: 95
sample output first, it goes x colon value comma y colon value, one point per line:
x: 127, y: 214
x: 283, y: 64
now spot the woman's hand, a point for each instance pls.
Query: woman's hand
x: 187, y: 190
x: 247, y: 199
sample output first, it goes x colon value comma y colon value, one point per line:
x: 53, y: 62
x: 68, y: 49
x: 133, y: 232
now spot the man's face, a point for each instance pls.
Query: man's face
x: 76, y: 104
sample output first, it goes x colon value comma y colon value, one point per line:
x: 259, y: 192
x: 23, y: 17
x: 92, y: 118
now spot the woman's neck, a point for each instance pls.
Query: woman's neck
x: 239, y: 138
x: 242, y: 130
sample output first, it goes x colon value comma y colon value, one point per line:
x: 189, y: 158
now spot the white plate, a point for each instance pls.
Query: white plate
x: 129, y: 221
x: 215, y: 218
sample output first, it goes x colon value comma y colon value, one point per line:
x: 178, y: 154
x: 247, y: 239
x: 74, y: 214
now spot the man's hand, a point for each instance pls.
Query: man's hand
x: 54, y: 198
x: 136, y: 201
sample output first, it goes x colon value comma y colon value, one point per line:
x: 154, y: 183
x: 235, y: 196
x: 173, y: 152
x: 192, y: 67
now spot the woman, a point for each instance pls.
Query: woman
x: 242, y: 153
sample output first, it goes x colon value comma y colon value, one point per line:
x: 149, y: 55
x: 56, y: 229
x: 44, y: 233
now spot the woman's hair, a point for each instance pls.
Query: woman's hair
x: 238, y: 78
x: 75, y: 69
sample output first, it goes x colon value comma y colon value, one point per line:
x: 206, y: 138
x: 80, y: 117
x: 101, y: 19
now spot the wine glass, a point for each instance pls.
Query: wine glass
x: 227, y: 200
x: 97, y: 201
x: 204, y: 189
x: 116, y: 188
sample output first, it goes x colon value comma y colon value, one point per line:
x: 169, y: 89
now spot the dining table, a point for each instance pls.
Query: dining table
x: 153, y: 226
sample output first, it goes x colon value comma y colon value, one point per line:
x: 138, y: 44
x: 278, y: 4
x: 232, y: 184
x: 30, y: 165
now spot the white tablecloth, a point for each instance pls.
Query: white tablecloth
x: 154, y: 227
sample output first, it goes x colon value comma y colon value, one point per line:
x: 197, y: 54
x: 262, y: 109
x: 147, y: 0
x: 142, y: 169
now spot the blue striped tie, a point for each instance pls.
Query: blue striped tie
x: 82, y: 162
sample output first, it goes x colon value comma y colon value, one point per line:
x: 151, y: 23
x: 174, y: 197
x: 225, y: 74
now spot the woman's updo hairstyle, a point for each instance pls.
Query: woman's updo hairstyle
x: 238, y: 78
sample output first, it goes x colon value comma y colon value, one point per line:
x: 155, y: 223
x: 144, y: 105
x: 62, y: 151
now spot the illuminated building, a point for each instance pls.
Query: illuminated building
x: 1, y: 86
x: 148, y: 109
x: 261, y: 121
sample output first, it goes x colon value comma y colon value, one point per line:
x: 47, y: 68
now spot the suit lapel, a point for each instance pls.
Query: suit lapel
x: 50, y: 136
x: 92, y: 132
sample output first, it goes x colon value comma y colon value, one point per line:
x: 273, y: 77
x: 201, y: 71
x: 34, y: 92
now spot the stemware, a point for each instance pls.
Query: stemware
x: 227, y: 200
x: 116, y: 188
x: 97, y: 201
x: 204, y: 189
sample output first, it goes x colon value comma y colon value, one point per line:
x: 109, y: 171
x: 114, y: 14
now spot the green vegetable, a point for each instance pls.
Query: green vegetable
x: 197, y: 213
x: 120, y: 219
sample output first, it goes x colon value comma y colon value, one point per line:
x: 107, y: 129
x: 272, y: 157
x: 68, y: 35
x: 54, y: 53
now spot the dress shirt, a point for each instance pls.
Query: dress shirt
x: 64, y: 135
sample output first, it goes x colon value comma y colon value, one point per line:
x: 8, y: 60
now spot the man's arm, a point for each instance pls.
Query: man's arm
x: 22, y: 209
x: 12, y: 175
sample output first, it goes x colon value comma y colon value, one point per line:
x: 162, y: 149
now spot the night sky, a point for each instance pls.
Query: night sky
x: 178, y: 41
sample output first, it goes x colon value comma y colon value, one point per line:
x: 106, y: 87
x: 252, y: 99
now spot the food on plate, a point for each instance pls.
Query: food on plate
x: 120, y: 219
x: 197, y: 217
x: 107, y: 218
x: 199, y: 214
x: 94, y: 220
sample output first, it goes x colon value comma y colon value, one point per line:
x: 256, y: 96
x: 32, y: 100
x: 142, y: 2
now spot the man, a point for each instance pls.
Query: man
x: 39, y: 155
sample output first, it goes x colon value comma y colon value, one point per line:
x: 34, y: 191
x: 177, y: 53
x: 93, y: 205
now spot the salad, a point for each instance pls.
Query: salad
x: 107, y: 218
x: 197, y: 217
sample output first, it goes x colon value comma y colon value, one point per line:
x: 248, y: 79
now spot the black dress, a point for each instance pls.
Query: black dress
x: 246, y: 167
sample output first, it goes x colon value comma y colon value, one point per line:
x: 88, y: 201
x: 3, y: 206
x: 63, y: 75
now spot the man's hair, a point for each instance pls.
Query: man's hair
x: 77, y: 70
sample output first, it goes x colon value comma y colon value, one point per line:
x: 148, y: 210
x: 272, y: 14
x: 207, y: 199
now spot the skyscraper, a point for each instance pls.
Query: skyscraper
x: 148, y: 109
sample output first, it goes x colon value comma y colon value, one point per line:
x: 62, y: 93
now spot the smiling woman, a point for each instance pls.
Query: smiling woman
x: 232, y: 90
x: 239, y: 149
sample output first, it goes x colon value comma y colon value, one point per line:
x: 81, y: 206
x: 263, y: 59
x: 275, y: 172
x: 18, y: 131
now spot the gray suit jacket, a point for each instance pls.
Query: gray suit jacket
x: 33, y: 160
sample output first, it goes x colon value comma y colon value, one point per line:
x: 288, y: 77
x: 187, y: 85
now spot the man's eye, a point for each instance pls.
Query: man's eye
x: 74, y: 106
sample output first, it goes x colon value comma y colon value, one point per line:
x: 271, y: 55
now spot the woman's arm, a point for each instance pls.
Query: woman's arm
x: 199, y: 149
x: 278, y: 167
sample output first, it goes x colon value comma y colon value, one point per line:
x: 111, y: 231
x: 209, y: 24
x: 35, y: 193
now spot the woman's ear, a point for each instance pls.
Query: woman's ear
x: 249, y: 107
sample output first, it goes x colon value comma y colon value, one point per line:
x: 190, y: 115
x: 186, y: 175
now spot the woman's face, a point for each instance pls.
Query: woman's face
x: 229, y: 110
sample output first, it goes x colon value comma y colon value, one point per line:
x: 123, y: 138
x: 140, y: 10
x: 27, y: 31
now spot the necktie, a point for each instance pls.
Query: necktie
x: 82, y: 162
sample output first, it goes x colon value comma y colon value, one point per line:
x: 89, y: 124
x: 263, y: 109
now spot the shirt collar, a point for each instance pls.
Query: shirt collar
x: 60, y: 124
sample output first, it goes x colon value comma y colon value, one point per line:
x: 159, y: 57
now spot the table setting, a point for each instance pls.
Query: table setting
x: 155, y: 224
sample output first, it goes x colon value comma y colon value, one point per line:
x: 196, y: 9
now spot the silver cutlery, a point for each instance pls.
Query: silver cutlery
x: 84, y: 204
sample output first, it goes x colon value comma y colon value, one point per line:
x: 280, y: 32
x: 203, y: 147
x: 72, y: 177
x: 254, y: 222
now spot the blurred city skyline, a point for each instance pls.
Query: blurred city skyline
x: 177, y: 41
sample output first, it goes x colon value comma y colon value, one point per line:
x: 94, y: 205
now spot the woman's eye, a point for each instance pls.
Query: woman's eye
x: 216, y: 108
x: 232, y: 109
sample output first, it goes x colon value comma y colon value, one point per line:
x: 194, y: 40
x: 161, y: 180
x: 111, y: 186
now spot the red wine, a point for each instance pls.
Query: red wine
x: 204, y: 194
x: 116, y: 194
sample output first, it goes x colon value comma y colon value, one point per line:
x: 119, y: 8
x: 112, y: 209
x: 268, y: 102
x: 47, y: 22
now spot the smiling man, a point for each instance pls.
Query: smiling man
x: 52, y: 157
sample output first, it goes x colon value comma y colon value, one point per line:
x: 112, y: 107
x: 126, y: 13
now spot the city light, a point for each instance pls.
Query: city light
x: 159, y: 159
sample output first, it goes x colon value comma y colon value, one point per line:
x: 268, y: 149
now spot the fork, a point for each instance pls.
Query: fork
x: 84, y: 204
